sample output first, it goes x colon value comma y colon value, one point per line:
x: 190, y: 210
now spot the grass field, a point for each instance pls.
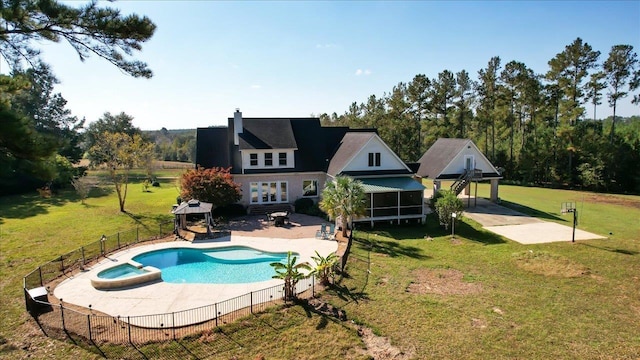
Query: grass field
x: 477, y: 296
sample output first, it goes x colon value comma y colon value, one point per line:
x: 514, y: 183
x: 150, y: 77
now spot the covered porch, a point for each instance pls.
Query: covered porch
x: 393, y: 199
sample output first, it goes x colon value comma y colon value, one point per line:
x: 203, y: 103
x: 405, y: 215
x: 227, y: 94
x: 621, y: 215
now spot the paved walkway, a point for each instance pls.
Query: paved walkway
x: 520, y: 227
x: 162, y: 297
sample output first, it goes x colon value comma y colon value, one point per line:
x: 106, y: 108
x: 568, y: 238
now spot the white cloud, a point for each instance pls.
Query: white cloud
x: 365, y: 72
x: 255, y: 86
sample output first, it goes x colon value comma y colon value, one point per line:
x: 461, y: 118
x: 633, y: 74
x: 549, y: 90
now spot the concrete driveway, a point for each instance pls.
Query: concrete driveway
x: 520, y: 227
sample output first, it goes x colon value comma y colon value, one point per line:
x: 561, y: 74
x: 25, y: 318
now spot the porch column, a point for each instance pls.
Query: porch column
x: 494, y: 190
x: 436, y: 187
x: 467, y: 189
x: 398, y: 208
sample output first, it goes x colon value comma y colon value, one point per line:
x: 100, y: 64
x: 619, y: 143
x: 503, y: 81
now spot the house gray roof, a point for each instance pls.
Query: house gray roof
x: 263, y: 133
x: 315, y: 144
x: 212, y: 147
x: 351, y: 142
x: 439, y: 155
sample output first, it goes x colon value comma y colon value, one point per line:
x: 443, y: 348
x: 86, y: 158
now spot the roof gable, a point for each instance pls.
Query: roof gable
x: 352, y: 156
x: 446, y: 157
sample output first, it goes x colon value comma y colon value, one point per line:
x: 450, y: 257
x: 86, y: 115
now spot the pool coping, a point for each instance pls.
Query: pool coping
x: 160, y: 297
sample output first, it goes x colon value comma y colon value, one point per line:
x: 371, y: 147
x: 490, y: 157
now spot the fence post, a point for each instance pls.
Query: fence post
x: 26, y: 299
x: 89, y: 326
x: 129, y: 328
x: 82, y: 250
x: 160, y: 234
x: 118, y: 240
x: 40, y: 274
x: 251, y: 301
x: 216, y: 310
x: 137, y: 234
x: 173, y: 322
x: 62, y: 315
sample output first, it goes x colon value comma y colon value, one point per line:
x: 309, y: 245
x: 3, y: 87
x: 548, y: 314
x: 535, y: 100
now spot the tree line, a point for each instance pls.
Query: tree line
x: 533, y: 126
x: 40, y: 140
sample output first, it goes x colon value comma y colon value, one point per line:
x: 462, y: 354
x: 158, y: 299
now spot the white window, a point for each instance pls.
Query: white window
x: 253, y: 159
x: 374, y: 159
x: 268, y: 159
x: 282, y: 159
x: 269, y: 192
x: 310, y: 188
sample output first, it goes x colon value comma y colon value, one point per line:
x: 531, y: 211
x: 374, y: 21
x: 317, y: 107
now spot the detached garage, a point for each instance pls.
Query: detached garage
x: 458, y: 160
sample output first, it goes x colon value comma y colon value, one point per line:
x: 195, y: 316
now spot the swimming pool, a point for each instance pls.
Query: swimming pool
x: 225, y: 265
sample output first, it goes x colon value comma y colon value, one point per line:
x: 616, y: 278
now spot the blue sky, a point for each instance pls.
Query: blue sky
x: 294, y: 59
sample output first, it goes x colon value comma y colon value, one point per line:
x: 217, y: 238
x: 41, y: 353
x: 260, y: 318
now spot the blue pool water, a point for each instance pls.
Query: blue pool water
x: 120, y: 272
x: 226, y: 265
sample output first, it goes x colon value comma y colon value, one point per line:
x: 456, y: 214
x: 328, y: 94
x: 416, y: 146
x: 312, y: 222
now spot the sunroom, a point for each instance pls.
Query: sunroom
x: 393, y: 199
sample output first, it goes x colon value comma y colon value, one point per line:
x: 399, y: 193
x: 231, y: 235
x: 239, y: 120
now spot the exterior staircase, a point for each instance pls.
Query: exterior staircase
x: 464, y: 179
x: 262, y: 209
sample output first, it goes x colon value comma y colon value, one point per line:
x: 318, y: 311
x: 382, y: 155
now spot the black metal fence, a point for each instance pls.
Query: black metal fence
x: 128, y: 337
x: 77, y: 259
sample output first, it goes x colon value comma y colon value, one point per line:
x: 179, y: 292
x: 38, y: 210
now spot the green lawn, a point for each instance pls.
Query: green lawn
x: 544, y: 301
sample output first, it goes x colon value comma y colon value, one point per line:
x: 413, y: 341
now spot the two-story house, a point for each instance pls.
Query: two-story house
x: 279, y: 160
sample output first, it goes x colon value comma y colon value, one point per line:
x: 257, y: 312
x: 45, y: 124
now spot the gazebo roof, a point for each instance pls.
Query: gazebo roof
x: 193, y: 206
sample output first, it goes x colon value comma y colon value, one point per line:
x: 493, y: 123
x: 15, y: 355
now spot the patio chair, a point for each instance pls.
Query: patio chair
x: 270, y: 219
x: 331, y: 235
x: 322, y: 233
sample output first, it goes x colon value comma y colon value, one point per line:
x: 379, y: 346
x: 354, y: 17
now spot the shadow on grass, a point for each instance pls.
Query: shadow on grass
x: 24, y: 206
x: 389, y: 247
x: 30, y: 205
x: 530, y: 211
x: 467, y: 228
x: 348, y: 294
x: 477, y: 234
x: 613, y: 250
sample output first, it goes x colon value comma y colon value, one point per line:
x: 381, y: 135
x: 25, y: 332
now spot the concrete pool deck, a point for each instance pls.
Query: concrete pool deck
x: 161, y: 297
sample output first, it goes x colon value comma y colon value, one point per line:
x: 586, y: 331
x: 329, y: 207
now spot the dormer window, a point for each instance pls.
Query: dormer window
x: 282, y: 159
x: 253, y: 159
x: 374, y: 159
x: 268, y: 159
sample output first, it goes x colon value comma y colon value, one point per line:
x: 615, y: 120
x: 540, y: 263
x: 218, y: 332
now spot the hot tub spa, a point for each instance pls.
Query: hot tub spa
x: 125, y: 275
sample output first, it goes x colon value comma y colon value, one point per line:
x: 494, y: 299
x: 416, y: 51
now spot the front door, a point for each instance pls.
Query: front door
x: 469, y: 162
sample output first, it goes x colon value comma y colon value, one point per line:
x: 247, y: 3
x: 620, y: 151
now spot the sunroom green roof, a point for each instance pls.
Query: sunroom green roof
x: 391, y: 184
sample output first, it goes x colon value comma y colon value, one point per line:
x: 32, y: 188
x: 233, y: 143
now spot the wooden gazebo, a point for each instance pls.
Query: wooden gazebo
x: 192, y: 207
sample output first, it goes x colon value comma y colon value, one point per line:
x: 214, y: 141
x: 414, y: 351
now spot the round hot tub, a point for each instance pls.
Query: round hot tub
x: 125, y: 275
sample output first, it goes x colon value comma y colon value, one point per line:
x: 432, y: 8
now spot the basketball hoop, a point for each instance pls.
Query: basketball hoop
x: 567, y: 207
x: 570, y: 207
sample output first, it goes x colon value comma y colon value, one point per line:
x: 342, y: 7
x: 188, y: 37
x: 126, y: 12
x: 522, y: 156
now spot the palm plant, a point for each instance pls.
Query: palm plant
x: 324, y: 266
x: 344, y: 198
x: 291, y: 273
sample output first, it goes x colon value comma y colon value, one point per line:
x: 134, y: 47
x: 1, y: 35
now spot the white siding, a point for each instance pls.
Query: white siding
x: 457, y: 165
x: 388, y: 159
x: 246, y: 164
